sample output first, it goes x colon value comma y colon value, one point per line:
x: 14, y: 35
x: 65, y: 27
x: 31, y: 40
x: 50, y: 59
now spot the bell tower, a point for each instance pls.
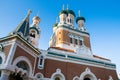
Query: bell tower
x: 68, y: 37
x: 34, y: 31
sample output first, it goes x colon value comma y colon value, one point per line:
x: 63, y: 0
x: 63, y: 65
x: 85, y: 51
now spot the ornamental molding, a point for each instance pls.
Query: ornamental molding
x: 58, y: 74
x: 89, y: 74
x: 71, y: 35
x: 23, y: 58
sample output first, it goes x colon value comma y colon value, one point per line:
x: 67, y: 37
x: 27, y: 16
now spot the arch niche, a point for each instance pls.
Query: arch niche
x: 87, y: 75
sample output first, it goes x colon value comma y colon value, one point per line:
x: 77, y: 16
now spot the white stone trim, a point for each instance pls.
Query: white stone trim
x: 34, y: 65
x: 58, y: 74
x: 65, y: 59
x: 89, y: 74
x: 21, y: 45
x: 11, y: 54
x: 23, y: 58
x: 110, y: 78
x: 76, y: 78
x: 43, y: 59
x: 42, y: 76
x: 2, y: 55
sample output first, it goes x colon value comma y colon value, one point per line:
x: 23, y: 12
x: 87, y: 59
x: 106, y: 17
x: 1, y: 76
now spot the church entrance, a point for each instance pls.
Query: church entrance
x: 87, y: 79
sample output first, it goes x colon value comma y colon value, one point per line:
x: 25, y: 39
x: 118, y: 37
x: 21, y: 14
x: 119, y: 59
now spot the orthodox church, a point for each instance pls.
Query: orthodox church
x: 68, y: 57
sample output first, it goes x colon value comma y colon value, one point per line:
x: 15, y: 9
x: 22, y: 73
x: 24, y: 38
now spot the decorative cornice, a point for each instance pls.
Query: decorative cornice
x: 81, y: 59
x: 76, y: 30
x: 22, y: 39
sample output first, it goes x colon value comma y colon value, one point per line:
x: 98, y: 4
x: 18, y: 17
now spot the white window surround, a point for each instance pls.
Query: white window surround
x: 89, y: 74
x: 41, y: 64
x: 40, y: 74
x: 23, y: 58
x: 58, y: 74
x: 76, y: 78
x: 75, y: 36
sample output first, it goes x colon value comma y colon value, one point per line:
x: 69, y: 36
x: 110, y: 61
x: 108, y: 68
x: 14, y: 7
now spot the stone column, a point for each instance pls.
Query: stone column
x: 4, y: 74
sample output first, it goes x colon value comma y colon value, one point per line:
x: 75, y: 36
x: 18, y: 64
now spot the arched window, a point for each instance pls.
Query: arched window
x: 76, y: 78
x: 87, y: 79
x: 57, y: 78
x: 22, y: 65
x: 58, y: 75
x: 0, y: 60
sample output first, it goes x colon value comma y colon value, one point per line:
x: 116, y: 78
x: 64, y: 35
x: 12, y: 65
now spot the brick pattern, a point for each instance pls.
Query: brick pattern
x: 70, y: 70
x: 20, y: 52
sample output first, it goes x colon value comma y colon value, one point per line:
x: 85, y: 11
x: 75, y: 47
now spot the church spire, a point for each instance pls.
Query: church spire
x: 23, y: 28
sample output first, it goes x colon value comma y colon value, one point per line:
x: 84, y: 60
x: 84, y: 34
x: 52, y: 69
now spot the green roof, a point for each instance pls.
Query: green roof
x: 63, y: 12
x: 67, y: 12
x: 23, y: 27
x: 80, y: 18
x: 55, y: 25
x: 35, y: 29
x: 70, y: 12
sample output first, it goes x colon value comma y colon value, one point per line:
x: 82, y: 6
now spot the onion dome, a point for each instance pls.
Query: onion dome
x: 36, y: 18
x: 55, y: 25
x: 63, y: 12
x: 71, y: 12
x: 80, y: 18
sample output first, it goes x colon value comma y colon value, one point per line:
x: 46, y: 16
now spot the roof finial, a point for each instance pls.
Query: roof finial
x: 67, y: 6
x: 63, y: 7
x: 29, y: 11
x: 79, y: 13
x: 38, y: 13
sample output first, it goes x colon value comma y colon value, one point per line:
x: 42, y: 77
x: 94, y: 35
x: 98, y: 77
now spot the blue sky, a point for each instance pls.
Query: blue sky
x: 102, y: 21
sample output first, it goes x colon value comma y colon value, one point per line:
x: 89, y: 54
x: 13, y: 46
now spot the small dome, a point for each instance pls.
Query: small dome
x: 80, y: 18
x: 63, y: 12
x: 36, y: 18
x: 55, y: 25
x: 71, y: 12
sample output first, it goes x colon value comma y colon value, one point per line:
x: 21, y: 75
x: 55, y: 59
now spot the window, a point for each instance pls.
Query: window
x: 32, y: 33
x: 80, y: 42
x: 41, y: 62
x: 0, y: 73
x: 71, y: 41
x: 70, y: 21
x: 87, y: 79
x: 22, y: 65
x: 76, y: 41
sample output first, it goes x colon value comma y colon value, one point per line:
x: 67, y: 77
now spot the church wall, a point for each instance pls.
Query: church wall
x: 20, y: 52
x: 37, y: 70
x: 70, y: 70
x: 6, y: 50
x: 87, y: 42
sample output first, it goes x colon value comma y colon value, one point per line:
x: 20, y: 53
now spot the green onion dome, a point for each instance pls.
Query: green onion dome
x: 67, y: 12
x: 80, y: 18
x: 55, y: 25
x: 71, y: 12
x: 63, y: 12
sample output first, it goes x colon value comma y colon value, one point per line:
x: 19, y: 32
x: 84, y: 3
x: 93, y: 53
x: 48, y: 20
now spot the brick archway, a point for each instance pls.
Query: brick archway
x: 26, y: 62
